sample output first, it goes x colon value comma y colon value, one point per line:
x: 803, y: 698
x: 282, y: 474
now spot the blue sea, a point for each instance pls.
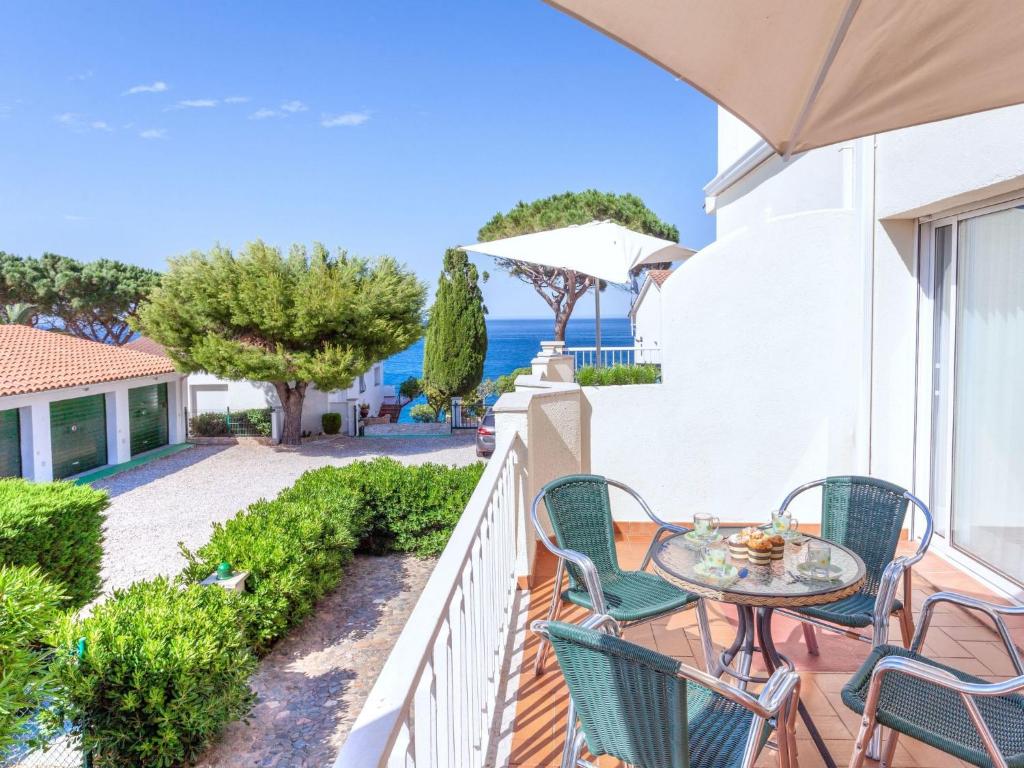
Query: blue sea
x: 512, y: 344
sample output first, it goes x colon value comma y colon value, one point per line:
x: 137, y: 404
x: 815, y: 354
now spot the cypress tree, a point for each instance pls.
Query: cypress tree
x: 456, y: 340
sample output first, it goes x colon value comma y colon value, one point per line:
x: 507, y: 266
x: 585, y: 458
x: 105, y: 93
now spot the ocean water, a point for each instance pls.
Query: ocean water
x: 512, y: 344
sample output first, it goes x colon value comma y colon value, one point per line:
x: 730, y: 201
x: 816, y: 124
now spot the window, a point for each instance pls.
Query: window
x: 977, y: 375
x: 376, y: 375
x: 362, y: 382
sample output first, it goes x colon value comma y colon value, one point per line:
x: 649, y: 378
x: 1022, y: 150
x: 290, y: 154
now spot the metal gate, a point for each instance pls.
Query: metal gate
x: 147, y: 417
x: 10, y: 443
x: 78, y: 435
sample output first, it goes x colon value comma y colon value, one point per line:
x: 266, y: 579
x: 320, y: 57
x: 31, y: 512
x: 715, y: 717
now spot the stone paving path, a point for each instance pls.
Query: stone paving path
x: 312, y: 686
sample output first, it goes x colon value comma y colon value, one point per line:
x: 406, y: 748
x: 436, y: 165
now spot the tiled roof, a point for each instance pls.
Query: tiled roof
x: 659, y: 276
x: 147, y: 345
x: 32, y: 360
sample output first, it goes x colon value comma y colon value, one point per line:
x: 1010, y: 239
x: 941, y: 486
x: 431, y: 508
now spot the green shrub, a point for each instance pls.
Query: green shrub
x: 589, y: 376
x: 28, y: 610
x: 294, y: 553
x: 57, y: 526
x: 258, y: 420
x: 331, y: 423
x: 393, y: 507
x: 164, y: 670
x: 208, y: 425
x: 423, y: 413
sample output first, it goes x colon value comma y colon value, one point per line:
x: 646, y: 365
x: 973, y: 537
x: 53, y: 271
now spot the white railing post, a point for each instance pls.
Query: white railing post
x: 434, y: 704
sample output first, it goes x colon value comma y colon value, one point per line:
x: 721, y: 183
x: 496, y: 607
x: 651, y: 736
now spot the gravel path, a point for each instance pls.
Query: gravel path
x: 312, y: 686
x: 177, y: 498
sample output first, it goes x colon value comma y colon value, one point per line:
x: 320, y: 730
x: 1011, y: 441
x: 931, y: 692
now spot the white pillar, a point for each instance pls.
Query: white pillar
x: 119, y: 442
x: 176, y: 410
x: 39, y: 467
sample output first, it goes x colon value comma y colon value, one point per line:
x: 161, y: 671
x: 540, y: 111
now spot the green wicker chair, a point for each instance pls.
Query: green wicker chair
x: 580, y: 512
x: 969, y: 718
x: 650, y: 711
x: 866, y: 515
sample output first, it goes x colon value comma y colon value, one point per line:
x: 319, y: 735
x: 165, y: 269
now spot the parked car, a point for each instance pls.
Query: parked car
x: 485, y: 435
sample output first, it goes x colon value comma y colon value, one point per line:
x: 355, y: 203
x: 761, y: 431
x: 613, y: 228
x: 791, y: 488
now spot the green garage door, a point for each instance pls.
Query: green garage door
x: 10, y: 444
x: 78, y: 435
x: 147, y: 409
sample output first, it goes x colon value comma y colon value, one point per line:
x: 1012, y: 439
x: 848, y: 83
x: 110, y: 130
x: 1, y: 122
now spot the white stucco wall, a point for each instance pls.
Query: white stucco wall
x: 734, y: 138
x: 34, y: 411
x: 647, y: 326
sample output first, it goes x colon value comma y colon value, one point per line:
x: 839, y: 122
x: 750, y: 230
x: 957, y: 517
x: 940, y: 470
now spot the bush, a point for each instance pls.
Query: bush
x: 208, y: 425
x: 423, y: 413
x: 589, y: 376
x: 393, y: 507
x: 28, y: 609
x: 164, y: 670
x: 331, y: 423
x: 258, y: 420
x: 57, y: 526
x: 294, y: 553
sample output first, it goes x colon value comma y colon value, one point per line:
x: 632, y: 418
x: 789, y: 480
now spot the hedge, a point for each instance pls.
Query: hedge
x: 589, y: 376
x: 164, y: 670
x: 28, y: 609
x: 58, y: 527
x: 294, y: 554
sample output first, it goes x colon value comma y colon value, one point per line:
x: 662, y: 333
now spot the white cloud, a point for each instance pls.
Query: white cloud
x: 194, y: 104
x: 153, y: 133
x: 348, y: 119
x: 156, y: 87
x: 82, y: 75
x: 236, y: 99
x: 67, y: 118
x: 294, y: 106
x: 263, y: 114
x: 100, y: 125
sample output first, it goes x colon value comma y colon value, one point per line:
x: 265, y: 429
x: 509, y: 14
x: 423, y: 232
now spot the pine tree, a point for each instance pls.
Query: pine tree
x: 456, y: 342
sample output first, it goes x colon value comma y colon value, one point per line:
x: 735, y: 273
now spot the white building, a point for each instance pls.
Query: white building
x: 646, y: 314
x: 69, y: 406
x: 207, y: 393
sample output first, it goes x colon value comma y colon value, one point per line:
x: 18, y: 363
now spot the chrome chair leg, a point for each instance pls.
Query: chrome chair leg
x: 573, y: 739
x: 711, y: 662
x: 889, y: 749
x: 860, y: 744
x: 553, y: 612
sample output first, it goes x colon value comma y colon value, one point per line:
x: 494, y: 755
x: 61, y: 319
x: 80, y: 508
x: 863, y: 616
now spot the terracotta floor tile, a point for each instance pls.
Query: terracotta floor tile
x: 993, y: 655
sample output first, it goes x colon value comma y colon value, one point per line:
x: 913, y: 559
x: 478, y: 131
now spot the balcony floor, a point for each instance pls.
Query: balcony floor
x: 956, y: 638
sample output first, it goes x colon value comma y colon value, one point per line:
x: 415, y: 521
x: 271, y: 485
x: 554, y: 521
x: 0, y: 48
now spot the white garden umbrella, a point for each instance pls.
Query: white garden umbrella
x: 601, y: 249
x: 807, y: 74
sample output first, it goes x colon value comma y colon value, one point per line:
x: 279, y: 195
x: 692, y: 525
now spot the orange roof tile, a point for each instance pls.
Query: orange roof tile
x: 32, y: 360
x: 147, y: 345
x: 659, y: 276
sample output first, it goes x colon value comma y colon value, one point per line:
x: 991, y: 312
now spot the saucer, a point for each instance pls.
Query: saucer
x: 695, y: 541
x: 807, y: 570
x: 730, y: 574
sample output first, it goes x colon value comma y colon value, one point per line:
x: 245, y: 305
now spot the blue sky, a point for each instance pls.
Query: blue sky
x: 141, y: 130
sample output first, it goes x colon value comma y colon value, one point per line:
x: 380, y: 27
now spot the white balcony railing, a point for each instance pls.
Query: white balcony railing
x: 615, y: 356
x: 435, y: 701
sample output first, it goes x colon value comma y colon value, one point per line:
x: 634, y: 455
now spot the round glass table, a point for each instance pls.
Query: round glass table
x: 756, y: 591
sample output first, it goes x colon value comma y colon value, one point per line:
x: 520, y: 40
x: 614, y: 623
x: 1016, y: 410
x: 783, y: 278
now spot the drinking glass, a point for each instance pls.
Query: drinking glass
x: 783, y: 523
x: 819, y: 558
x: 715, y: 557
x: 705, y: 526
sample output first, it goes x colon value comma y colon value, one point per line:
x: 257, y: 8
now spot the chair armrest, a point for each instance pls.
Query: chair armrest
x: 994, y: 611
x: 662, y: 524
x: 772, y: 698
x: 940, y: 677
x: 887, y: 588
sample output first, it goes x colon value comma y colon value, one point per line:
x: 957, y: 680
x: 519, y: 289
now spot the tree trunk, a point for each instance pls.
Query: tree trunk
x: 291, y: 401
x: 562, y: 320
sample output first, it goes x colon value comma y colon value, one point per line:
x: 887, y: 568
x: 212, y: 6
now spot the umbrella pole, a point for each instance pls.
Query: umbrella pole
x: 597, y: 323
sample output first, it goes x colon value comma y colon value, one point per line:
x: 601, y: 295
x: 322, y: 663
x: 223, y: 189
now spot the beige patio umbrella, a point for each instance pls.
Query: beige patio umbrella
x: 807, y: 73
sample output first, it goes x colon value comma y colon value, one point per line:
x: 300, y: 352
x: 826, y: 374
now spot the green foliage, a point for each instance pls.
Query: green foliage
x: 397, y: 507
x: 208, y: 425
x: 28, y: 610
x: 331, y: 423
x: 289, y: 320
x: 410, y: 389
x: 58, y: 527
x: 589, y: 376
x: 561, y: 288
x: 258, y: 420
x: 19, y: 313
x: 94, y: 300
x: 504, y: 383
x: 423, y: 413
x: 456, y: 341
x: 164, y: 670
x: 294, y: 553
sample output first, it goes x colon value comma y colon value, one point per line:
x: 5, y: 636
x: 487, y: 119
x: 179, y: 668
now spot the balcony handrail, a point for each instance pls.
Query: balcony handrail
x: 388, y: 722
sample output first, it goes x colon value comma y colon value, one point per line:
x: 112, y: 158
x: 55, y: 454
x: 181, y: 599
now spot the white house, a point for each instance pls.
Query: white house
x: 818, y: 334
x: 207, y: 393
x: 69, y: 406
x: 645, y: 314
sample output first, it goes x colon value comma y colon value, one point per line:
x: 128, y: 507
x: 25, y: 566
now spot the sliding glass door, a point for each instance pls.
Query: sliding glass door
x: 977, y: 411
